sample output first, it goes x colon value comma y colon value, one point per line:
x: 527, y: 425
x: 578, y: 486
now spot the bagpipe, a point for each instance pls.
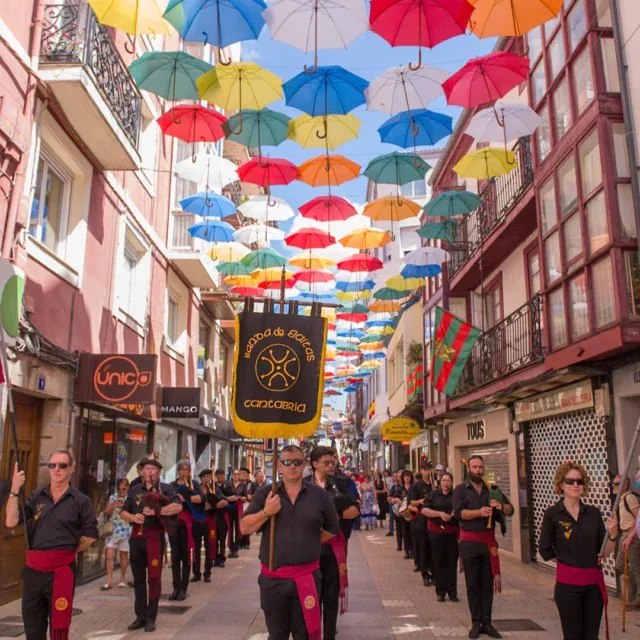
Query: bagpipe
x: 155, y: 500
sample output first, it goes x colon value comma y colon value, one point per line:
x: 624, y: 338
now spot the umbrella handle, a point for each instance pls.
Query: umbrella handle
x: 419, y: 64
x: 131, y: 48
x: 221, y: 59
x: 327, y: 164
x: 173, y: 116
x: 311, y: 70
x: 270, y: 203
x: 415, y: 130
x: 504, y: 135
x: 262, y: 166
x: 326, y: 130
x: 415, y: 67
x: 238, y: 131
x: 418, y: 164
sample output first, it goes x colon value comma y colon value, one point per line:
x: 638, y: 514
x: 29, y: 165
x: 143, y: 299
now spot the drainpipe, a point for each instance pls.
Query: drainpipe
x: 627, y: 112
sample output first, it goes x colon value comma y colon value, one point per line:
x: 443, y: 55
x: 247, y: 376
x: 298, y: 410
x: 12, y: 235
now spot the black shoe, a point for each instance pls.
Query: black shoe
x: 390, y: 534
x: 137, y: 624
x: 441, y: 598
x: 476, y: 630
x: 233, y: 554
x: 416, y: 569
x: 407, y: 556
x: 399, y: 549
x: 491, y: 631
x: 182, y: 595
x: 426, y: 582
x: 195, y: 579
x: 150, y: 627
x: 222, y: 563
x: 454, y: 599
x: 207, y: 578
x: 175, y: 594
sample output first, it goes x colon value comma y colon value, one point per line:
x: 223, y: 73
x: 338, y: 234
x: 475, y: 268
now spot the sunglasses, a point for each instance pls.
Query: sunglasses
x: 572, y: 481
x: 296, y: 462
x: 60, y: 465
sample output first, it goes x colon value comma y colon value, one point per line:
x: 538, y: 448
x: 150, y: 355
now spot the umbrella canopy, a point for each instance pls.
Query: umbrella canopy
x: 228, y: 252
x: 311, y: 261
x: 239, y: 281
x: 371, y: 346
x: 212, y: 231
x: 399, y: 283
x: 329, y: 170
x: 416, y: 128
x: 385, y: 306
x: 513, y: 18
x: 309, y: 238
x: 355, y: 285
x: 208, y: 169
x: 366, y: 238
x: 263, y: 259
x: 416, y: 271
x: 259, y: 127
x: 387, y: 293
x: 394, y: 208
x: 216, y: 22
x: 270, y: 273
x: 266, y: 209
x: 248, y: 292
x: 276, y: 285
x: 328, y: 90
x: 371, y: 364
x: 424, y: 256
x: 486, y: 163
x: 396, y: 168
x: 208, y: 205
x: 257, y: 233
x: 266, y: 172
x: 134, y: 18
x: 439, y: 230
x: 233, y: 269
x: 453, y: 203
x: 327, y: 209
x: 323, y: 131
x: 313, y: 276
x: 352, y: 317
x: 345, y: 296
x: 192, y: 123
x: 360, y: 262
x: 515, y: 121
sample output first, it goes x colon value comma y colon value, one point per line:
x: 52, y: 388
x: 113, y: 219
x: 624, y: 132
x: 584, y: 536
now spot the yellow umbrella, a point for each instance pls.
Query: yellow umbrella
x: 371, y: 346
x: 323, y: 131
x: 394, y: 208
x: 350, y: 296
x: 371, y: 364
x: 228, y: 252
x: 310, y: 261
x: 366, y: 238
x: 486, y: 163
x: 326, y: 312
x: 269, y: 275
x: 385, y: 331
x: 240, y: 281
x: 385, y: 306
x: 404, y: 284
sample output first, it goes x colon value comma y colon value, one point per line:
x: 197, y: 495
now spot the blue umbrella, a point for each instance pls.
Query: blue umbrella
x: 352, y: 388
x: 212, y: 231
x: 330, y: 90
x: 414, y: 128
x: 350, y: 333
x: 216, y: 22
x: 208, y: 205
x: 421, y: 271
x: 355, y: 286
x: 375, y: 355
x: 380, y: 323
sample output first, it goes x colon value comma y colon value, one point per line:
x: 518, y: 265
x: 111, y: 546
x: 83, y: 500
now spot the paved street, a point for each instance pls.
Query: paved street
x: 386, y: 600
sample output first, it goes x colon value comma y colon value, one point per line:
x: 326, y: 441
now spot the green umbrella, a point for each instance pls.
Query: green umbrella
x: 397, y: 168
x: 452, y: 203
x: 258, y: 127
x: 372, y: 337
x: 263, y: 259
x: 354, y: 307
x: 387, y: 293
x: 439, y: 230
x: 233, y: 269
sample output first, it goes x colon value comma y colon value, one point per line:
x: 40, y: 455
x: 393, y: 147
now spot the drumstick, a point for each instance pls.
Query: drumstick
x: 625, y: 578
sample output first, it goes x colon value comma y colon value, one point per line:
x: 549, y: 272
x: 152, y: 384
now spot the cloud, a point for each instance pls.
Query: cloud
x: 250, y: 55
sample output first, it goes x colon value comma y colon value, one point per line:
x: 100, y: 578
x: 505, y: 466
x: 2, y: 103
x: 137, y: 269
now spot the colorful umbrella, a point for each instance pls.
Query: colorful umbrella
x: 239, y: 281
x: 323, y: 131
x: 208, y: 205
x: 352, y: 317
x: 212, y: 231
x: 387, y: 293
x: 257, y: 233
x: 424, y: 23
x: 355, y: 285
x: 345, y: 296
x: 263, y: 259
x: 309, y: 238
x: 266, y: 172
x: 353, y: 307
x: 360, y: 262
x: 513, y: 18
x: 439, y: 230
x: 310, y: 261
x: 416, y: 271
x: 329, y: 170
x: 260, y: 127
x: 371, y: 346
x: 228, y: 252
x: 327, y: 209
x: 232, y: 269
x: 371, y: 364
x: 392, y: 208
x: 396, y: 168
x: 452, y: 203
x: 415, y: 128
x: 208, y: 169
x: 513, y: 121
x: 266, y: 209
x: 248, y: 292
x: 426, y: 256
x: 192, y: 123
x: 313, y: 276
x: 270, y: 273
x: 486, y: 163
x: 405, y: 285
x: 385, y: 306
x: 366, y: 238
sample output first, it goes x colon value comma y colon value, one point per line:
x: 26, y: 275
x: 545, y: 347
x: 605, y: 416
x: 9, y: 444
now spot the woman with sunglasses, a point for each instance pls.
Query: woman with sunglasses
x: 118, y: 541
x: 573, y: 533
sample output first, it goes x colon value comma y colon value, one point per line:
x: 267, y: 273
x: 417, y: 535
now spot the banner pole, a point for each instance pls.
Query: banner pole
x: 274, y: 481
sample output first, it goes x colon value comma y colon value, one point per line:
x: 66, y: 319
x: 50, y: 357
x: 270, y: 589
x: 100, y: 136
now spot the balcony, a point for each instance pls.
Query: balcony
x: 90, y: 81
x: 512, y: 344
x: 505, y: 205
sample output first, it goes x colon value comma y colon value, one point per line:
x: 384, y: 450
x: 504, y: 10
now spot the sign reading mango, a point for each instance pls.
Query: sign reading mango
x: 400, y: 429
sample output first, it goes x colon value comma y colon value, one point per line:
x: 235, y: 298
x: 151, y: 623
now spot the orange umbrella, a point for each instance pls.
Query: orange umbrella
x: 329, y: 170
x: 393, y: 208
x: 385, y: 306
x: 514, y: 18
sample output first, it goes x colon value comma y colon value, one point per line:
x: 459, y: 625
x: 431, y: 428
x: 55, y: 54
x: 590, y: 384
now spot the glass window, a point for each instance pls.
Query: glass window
x: 568, y: 184
x: 558, y: 318
x: 561, y: 109
x: 549, y: 26
x: 597, y: 221
x: 548, y: 198
x: 534, y: 272
x: 538, y: 83
x: 577, y: 25
x: 620, y: 149
x: 625, y: 206
x: 603, y: 13
x: 603, y: 292
x: 578, y: 306
x: 572, y: 238
x: 610, y: 63
x: 583, y: 80
x: 203, y: 351
x: 632, y: 276
x: 415, y: 189
x: 543, y: 135
x: 534, y: 40
x: 589, y: 153
x: 555, y: 51
x: 223, y: 357
x: 130, y: 263
x: 173, y: 310
x: 165, y: 442
x: 552, y: 256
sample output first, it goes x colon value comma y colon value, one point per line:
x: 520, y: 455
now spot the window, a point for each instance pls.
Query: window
x: 558, y: 318
x: 548, y: 198
x: 556, y: 54
x: 173, y: 331
x: 223, y: 358
x: 552, y: 256
x: 133, y: 277
x: 204, y: 336
x: 589, y: 153
x: 493, y: 305
x: 535, y: 283
x: 182, y: 187
x: 603, y: 292
x: 620, y: 149
x: 572, y: 238
x: 579, y: 307
x: 583, y: 80
x: 50, y: 205
x: 610, y: 63
x: 130, y: 264
x: 538, y: 83
x: 549, y: 26
x: 632, y: 276
x: 568, y: 184
x: 148, y: 144
x: 577, y: 25
x: 626, y: 209
x: 399, y: 366
x: 562, y: 109
x: 597, y: 221
x: 534, y: 40
x: 417, y: 189
x: 603, y: 13
x: 543, y: 135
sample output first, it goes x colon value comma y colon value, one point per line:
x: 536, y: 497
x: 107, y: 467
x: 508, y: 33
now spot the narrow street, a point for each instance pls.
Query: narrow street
x: 386, y: 600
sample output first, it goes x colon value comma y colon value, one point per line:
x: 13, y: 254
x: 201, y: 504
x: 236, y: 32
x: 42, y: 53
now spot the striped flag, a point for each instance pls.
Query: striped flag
x: 452, y: 346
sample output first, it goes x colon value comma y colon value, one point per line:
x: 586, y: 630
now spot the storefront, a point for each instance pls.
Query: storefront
x: 251, y: 452
x: 424, y: 448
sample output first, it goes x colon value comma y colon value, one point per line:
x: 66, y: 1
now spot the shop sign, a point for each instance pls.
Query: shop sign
x: 476, y: 430
x: 400, y: 429
x: 135, y: 435
x: 421, y: 440
x: 572, y: 398
x: 116, y: 379
x: 180, y: 402
x: 255, y: 442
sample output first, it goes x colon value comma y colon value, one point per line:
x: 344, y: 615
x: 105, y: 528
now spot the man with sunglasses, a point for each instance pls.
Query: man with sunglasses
x: 306, y: 518
x: 61, y: 522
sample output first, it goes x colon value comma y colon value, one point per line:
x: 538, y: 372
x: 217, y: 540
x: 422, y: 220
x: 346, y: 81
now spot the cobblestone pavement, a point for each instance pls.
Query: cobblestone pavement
x: 386, y: 600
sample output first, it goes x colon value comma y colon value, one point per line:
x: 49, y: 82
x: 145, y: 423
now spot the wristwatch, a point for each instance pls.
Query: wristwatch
x: 14, y: 495
x: 266, y: 515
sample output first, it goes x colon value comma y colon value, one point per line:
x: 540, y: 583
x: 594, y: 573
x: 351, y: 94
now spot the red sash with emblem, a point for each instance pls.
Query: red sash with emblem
x: 488, y: 538
x: 187, y: 518
x: 58, y: 562
x: 153, y: 537
x: 212, y: 535
x: 338, y: 546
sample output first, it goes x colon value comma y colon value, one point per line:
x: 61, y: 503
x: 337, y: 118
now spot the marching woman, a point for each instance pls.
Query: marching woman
x: 403, y: 528
x: 573, y: 533
x: 443, y: 538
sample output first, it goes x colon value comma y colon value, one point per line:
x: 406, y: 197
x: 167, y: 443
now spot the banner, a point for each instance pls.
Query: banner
x: 415, y: 382
x: 278, y: 375
x: 400, y: 429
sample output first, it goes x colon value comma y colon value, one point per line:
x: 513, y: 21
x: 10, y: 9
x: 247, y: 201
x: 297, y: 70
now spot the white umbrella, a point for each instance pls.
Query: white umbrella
x: 256, y: 208
x: 257, y: 233
x: 316, y: 287
x: 400, y: 89
x: 208, y: 169
x: 519, y: 120
x: 425, y: 256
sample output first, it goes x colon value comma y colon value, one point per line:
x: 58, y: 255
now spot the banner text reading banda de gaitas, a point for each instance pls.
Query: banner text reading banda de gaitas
x: 278, y: 375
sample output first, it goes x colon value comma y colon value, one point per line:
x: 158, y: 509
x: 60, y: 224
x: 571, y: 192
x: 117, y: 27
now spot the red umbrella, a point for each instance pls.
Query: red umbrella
x: 277, y: 284
x: 349, y: 354
x: 332, y: 392
x: 267, y: 172
x: 424, y: 23
x: 248, y: 292
x: 328, y: 208
x: 360, y: 262
x: 313, y: 276
x: 352, y: 317
x: 193, y: 123
x: 332, y: 326
x: 310, y: 238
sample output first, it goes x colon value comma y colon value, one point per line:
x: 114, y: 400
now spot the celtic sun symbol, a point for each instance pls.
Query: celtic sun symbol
x: 279, y: 370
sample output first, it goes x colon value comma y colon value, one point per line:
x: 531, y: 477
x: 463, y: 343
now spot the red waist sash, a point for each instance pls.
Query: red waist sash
x: 444, y: 529
x: 58, y: 562
x: 488, y: 538
x: 583, y: 578
x: 212, y: 535
x: 302, y: 575
x: 153, y: 537
x: 339, y: 548
x: 187, y: 518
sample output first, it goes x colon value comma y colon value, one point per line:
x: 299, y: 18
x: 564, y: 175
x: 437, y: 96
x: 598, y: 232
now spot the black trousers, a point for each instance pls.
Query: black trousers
x: 580, y: 610
x: 477, y: 570
x: 403, y: 535
x: 246, y: 541
x: 329, y: 593
x: 37, y: 592
x: 444, y: 562
x: 234, y: 527
x: 200, y: 535
x: 221, y: 528
x: 180, y: 567
x: 421, y: 550
x: 146, y: 610
x: 281, y: 605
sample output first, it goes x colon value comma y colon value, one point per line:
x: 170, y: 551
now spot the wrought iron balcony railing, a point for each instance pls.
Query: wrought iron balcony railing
x: 72, y: 35
x: 509, y: 345
x: 499, y: 196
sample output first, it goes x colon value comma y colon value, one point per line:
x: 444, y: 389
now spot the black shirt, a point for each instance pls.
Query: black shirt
x: 135, y: 482
x: 298, y: 525
x: 183, y: 489
x: 438, y: 501
x: 134, y: 502
x: 342, y: 499
x: 418, y: 491
x: 465, y: 496
x: 571, y: 542
x: 59, y: 525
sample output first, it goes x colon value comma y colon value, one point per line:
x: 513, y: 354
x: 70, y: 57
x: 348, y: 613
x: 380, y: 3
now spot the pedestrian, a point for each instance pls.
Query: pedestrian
x: 289, y: 593
x: 391, y: 490
x: 627, y: 517
x: 333, y: 558
x: 368, y: 499
x: 477, y: 508
x: 152, y: 508
x: 118, y: 540
x: 443, y: 538
x: 237, y: 496
x: 380, y: 487
x: 353, y: 488
x: 572, y: 533
x: 403, y: 531
x: 416, y: 498
x: 245, y: 478
x: 223, y: 491
x: 181, y: 541
x: 61, y: 523
x: 137, y: 480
